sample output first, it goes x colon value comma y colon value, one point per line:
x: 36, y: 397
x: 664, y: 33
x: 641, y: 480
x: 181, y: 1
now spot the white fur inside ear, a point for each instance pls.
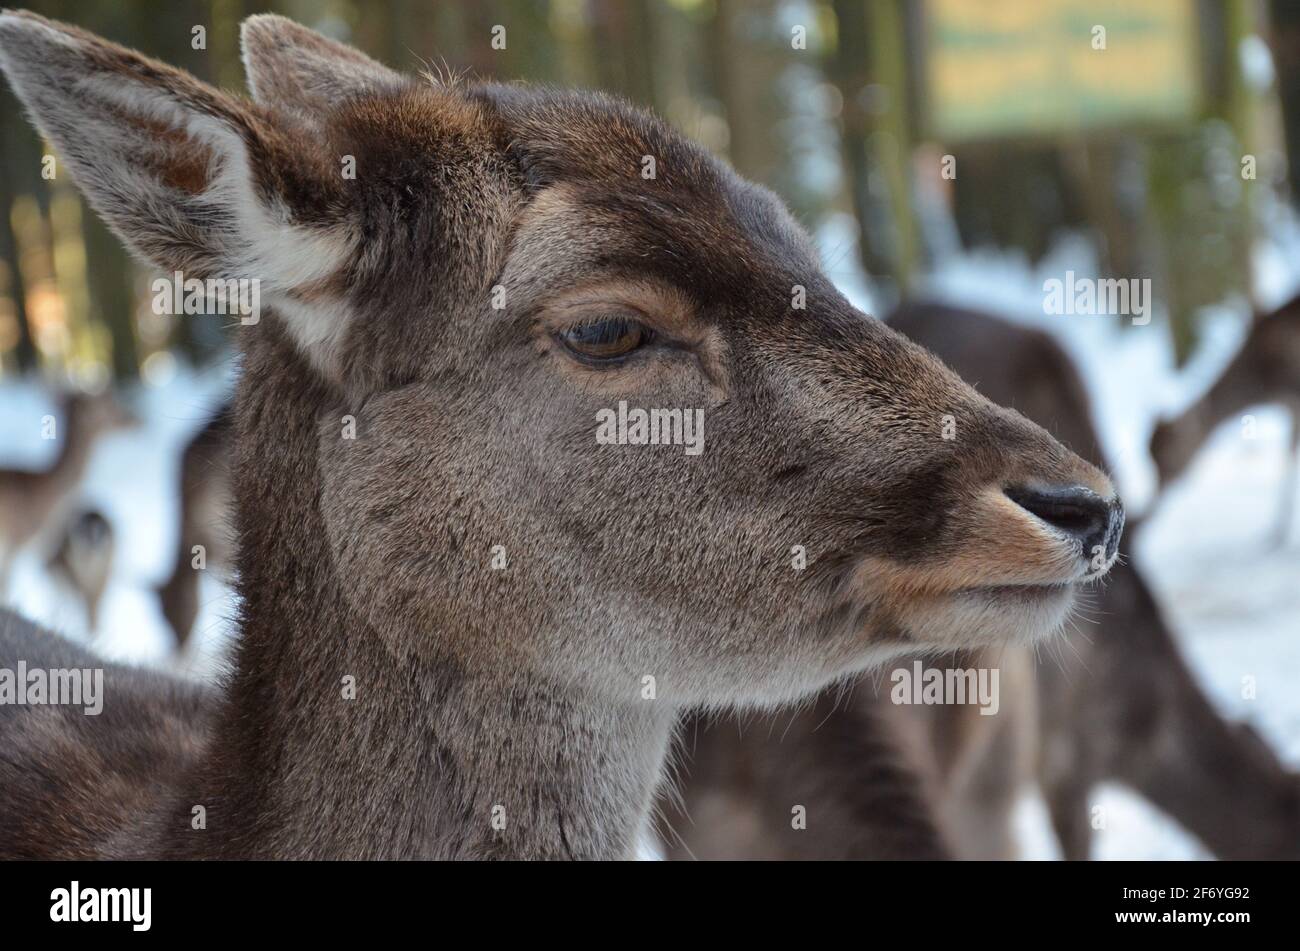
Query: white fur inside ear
x: 259, y: 241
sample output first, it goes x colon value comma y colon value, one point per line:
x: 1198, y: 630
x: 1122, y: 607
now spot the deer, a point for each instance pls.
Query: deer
x: 896, y: 821
x: 1265, y: 370
x: 83, y: 560
x: 204, y: 529
x: 1117, y: 703
x: 37, y: 503
x: 467, y: 628
x: 1161, y: 737
x: 832, y: 779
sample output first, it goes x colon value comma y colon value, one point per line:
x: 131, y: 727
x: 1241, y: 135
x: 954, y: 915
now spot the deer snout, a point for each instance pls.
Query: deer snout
x: 1078, y: 512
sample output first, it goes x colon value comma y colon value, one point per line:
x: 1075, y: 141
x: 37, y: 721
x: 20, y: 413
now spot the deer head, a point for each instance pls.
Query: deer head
x: 472, y: 274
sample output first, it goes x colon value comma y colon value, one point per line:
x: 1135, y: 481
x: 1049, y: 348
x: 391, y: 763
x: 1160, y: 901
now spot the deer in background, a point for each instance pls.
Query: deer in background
x: 742, y: 791
x: 205, y: 505
x: 83, y: 560
x: 1126, y: 708
x: 36, y: 502
x: 467, y: 629
x: 1117, y: 702
x: 1265, y: 370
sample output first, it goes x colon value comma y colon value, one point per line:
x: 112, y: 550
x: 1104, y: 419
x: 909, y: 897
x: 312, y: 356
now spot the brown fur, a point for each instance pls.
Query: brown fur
x: 518, y: 694
x: 840, y: 758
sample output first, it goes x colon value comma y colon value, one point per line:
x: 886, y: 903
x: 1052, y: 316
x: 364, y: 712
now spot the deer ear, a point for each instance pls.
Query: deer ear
x: 190, y: 178
x: 296, y: 70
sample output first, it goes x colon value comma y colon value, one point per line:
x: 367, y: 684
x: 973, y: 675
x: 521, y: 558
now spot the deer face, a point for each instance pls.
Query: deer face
x: 509, y: 278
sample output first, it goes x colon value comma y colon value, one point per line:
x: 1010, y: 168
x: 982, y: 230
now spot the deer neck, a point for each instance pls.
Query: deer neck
x: 333, y: 742
x: 1193, y: 426
x: 1233, y: 392
x: 70, y: 463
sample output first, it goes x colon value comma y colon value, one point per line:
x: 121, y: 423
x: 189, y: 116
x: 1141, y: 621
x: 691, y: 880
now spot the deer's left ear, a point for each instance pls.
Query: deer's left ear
x: 293, y: 69
x: 190, y: 178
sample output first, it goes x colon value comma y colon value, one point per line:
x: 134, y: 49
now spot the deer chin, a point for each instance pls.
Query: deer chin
x: 988, y: 616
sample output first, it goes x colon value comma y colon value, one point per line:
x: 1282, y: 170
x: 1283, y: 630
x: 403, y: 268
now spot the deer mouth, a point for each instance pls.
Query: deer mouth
x: 1027, y: 593
x: 986, y: 615
x: 1008, y: 613
x: 951, y: 607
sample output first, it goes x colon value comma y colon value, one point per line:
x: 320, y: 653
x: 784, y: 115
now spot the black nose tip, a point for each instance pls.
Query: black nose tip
x: 1079, y: 512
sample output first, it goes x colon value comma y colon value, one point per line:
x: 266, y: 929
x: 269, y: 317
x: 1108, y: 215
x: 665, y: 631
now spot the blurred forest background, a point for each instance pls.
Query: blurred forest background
x: 899, y: 132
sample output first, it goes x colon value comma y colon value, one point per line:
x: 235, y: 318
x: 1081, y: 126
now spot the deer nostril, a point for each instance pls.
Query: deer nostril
x: 1077, y: 511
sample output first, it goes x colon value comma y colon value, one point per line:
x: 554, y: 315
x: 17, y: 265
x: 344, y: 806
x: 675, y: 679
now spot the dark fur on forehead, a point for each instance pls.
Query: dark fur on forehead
x: 595, y: 139
x: 598, y: 141
x: 409, y: 140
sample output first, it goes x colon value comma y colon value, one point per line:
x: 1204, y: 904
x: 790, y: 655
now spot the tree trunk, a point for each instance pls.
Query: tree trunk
x: 1285, y: 17
x: 25, y: 355
x: 110, y: 288
x: 869, y: 67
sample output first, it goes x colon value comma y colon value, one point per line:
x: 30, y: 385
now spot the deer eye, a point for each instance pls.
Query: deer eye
x: 605, y: 340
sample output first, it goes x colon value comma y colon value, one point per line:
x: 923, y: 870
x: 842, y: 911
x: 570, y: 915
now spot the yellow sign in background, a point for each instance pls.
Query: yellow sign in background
x: 1013, y: 67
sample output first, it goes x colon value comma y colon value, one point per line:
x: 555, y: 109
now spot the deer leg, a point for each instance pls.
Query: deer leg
x: 6, y: 566
x: 1290, y: 484
x: 92, y: 611
x: 980, y: 805
x: 1067, y: 805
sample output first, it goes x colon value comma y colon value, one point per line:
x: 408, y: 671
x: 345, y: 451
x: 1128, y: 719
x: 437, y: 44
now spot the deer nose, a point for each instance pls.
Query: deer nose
x: 1078, y: 512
